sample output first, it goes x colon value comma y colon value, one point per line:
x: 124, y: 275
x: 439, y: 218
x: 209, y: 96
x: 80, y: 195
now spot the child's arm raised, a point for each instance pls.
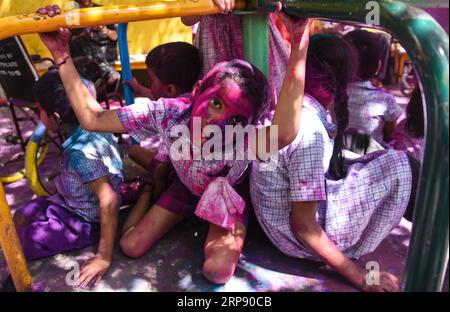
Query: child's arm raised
x: 308, y: 232
x: 290, y: 102
x: 88, y: 111
x: 109, y: 209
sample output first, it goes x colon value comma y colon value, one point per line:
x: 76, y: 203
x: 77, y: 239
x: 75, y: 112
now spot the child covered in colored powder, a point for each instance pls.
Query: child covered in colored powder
x: 232, y: 93
x: 84, y: 211
x: 220, y: 38
x: 314, y: 204
x: 371, y: 109
x: 173, y: 69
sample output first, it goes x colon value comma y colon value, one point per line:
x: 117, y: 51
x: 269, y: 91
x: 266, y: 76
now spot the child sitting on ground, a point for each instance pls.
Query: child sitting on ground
x: 371, y: 110
x: 84, y: 210
x: 317, y: 205
x: 173, y: 69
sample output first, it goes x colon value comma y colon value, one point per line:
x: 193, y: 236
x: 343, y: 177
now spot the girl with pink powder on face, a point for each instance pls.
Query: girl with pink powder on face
x: 232, y: 93
x: 220, y: 38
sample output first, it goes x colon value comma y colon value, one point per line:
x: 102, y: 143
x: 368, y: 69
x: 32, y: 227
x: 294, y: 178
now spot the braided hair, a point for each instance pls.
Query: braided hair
x: 332, y: 63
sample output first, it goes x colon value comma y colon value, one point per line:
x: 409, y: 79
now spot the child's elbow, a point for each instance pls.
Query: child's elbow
x: 286, y: 139
x: 110, y: 205
x: 87, y: 126
x: 300, y: 227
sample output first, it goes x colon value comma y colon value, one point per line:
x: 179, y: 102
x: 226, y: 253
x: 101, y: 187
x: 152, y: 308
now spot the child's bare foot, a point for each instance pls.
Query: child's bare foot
x: 222, y: 250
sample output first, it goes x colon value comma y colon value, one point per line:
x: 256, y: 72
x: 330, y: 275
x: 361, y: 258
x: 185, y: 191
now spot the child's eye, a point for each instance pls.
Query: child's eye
x: 215, y: 103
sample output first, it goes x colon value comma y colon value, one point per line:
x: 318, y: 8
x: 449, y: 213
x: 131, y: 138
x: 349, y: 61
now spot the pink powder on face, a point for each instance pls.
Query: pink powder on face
x: 234, y: 103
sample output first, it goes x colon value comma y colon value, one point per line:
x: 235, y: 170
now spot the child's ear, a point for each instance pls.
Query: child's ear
x: 196, y: 89
x: 172, y: 91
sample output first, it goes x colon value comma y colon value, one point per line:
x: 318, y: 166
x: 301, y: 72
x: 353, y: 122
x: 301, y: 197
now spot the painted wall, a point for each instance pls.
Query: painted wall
x: 142, y: 36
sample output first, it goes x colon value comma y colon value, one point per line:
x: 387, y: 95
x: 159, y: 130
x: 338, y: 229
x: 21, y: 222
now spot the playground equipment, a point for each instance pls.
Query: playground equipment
x: 18, y: 70
x: 424, y: 40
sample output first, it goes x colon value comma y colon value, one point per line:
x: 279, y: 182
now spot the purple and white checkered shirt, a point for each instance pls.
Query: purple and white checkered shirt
x: 215, y: 47
x: 148, y: 118
x: 357, y: 212
x: 370, y: 108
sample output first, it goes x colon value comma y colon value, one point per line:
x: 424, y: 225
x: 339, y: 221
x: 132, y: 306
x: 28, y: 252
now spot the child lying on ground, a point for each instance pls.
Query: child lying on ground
x: 233, y: 93
x: 84, y: 210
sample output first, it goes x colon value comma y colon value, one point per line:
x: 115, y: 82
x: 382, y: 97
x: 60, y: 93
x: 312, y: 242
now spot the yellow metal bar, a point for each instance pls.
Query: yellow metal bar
x: 35, y: 23
x: 11, y: 247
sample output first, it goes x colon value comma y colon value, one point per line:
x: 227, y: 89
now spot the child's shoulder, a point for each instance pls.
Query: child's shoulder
x: 380, y: 92
x: 83, y: 142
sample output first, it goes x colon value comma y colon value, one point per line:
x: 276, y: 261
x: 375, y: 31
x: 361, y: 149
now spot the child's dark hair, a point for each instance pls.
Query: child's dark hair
x: 415, y: 118
x: 370, y: 47
x: 88, y: 68
x: 49, y: 92
x: 248, y: 77
x: 330, y: 67
x: 176, y: 63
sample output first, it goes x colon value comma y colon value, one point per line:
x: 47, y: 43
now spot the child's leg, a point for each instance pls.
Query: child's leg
x: 222, y: 250
x: 141, y: 155
x: 223, y: 247
x: 139, y: 209
x: 139, y: 238
x: 54, y: 230
x: 142, y: 232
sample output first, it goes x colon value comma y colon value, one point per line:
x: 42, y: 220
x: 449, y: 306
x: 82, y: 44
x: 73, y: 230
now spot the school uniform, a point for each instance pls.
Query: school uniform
x: 370, y: 108
x: 195, y: 175
x: 357, y: 212
x: 70, y: 219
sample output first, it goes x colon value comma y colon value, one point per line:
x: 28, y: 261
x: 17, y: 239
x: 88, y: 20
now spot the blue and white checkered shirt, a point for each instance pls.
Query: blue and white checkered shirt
x: 87, y: 156
x: 357, y: 212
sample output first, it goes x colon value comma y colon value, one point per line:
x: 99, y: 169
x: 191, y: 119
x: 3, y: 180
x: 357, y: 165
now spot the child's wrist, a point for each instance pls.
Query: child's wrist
x: 105, y: 256
x: 358, y: 278
x: 60, y: 58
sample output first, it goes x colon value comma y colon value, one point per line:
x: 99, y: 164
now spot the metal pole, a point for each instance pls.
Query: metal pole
x: 12, y: 249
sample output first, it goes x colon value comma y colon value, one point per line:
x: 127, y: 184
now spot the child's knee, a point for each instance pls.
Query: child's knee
x: 130, y: 247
